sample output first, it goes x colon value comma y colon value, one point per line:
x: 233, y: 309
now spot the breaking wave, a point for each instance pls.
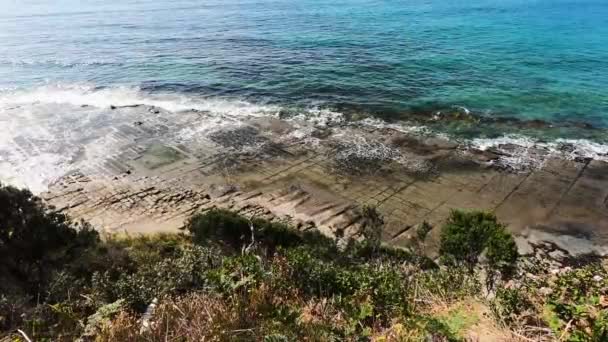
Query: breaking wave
x: 522, y: 152
x: 90, y: 95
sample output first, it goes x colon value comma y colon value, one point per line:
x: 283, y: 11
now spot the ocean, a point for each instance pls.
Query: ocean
x: 524, y: 71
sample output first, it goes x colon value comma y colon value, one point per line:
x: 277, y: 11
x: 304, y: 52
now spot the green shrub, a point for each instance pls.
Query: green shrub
x: 501, y: 252
x: 579, y: 303
x: 467, y: 234
x: 422, y: 231
x: 35, y: 241
x: 385, y: 286
x: 372, y: 224
x: 509, y: 304
x: 235, y: 231
x: 238, y: 273
x: 220, y: 225
x: 183, y: 270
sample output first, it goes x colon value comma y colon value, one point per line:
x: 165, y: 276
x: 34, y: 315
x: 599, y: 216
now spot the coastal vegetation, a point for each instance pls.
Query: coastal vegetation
x: 227, y: 277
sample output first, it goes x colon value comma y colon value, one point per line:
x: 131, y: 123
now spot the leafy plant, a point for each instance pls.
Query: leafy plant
x: 235, y: 231
x: 578, y: 304
x: 184, y: 269
x: 372, y: 224
x: 35, y: 240
x: 102, y: 317
x: 501, y: 252
x: 423, y: 230
x: 509, y: 304
x: 467, y: 234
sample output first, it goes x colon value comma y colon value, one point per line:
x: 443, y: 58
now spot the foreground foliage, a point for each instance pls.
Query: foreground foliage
x: 467, y: 235
x: 236, y: 278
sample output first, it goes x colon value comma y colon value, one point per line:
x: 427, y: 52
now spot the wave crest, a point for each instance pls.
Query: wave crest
x: 90, y: 95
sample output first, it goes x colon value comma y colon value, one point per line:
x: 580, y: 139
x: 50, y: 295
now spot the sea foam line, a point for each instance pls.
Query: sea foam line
x: 89, y: 95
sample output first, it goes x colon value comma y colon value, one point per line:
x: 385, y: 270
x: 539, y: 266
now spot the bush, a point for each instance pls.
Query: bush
x: 578, y: 304
x: 501, y: 252
x: 422, y: 231
x: 372, y: 224
x: 235, y: 231
x: 238, y: 273
x: 147, y: 274
x: 467, y: 234
x: 220, y: 226
x: 35, y: 241
x: 385, y: 286
x: 509, y: 304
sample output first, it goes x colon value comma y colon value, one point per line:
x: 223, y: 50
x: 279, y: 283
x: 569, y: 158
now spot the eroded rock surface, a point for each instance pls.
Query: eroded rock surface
x: 266, y: 168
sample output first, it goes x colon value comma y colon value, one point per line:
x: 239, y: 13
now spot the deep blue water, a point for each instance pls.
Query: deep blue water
x: 544, y: 59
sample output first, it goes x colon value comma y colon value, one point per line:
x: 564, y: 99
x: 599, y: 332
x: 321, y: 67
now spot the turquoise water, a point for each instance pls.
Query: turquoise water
x: 395, y: 60
x: 518, y: 58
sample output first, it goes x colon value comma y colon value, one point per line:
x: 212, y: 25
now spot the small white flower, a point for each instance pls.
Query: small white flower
x: 597, y: 278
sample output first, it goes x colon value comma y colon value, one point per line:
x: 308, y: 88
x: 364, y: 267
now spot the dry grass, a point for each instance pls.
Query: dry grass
x: 195, y: 317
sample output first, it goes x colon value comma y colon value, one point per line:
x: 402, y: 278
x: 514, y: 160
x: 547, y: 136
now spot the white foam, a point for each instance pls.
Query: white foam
x: 487, y: 143
x: 319, y: 117
x: 527, y: 153
x: 361, y: 148
x: 88, y: 95
x: 463, y: 108
x: 400, y: 127
x: 52, y: 129
x: 583, y: 148
x: 34, y: 172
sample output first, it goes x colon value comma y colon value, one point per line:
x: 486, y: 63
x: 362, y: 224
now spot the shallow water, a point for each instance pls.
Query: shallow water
x: 394, y: 60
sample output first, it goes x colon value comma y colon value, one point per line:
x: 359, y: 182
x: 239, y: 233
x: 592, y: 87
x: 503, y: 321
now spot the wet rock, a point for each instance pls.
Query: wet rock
x: 582, y: 125
x: 238, y: 138
x: 508, y: 148
x: 535, y: 124
x: 566, y: 147
x: 442, y: 144
x: 486, y: 155
x: 363, y: 157
x: 274, y: 125
x: 321, y: 133
x: 583, y: 160
x: 456, y: 113
x: 557, y: 255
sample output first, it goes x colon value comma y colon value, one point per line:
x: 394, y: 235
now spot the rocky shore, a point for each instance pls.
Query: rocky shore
x: 318, y: 176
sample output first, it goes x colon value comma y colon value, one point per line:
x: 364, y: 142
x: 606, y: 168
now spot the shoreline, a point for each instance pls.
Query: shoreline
x: 265, y: 166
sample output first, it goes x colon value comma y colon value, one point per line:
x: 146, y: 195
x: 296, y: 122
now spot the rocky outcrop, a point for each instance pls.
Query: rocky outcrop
x: 265, y: 168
